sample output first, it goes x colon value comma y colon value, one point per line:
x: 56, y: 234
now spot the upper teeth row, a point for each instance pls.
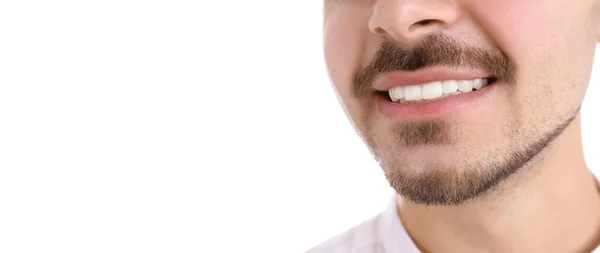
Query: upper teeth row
x: 435, y: 90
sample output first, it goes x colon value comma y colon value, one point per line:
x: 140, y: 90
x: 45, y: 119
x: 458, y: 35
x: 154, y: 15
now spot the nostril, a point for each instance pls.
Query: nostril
x: 425, y: 22
x: 378, y: 30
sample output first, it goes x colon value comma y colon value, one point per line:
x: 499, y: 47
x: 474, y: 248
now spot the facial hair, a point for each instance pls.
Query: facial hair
x: 435, y: 185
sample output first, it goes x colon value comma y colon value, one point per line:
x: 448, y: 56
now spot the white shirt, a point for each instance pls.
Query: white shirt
x: 383, y: 233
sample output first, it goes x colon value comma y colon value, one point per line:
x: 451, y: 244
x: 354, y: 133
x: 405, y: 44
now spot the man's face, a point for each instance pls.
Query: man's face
x: 443, y: 141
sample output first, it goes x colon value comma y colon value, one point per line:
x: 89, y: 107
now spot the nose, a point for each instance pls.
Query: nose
x: 405, y: 21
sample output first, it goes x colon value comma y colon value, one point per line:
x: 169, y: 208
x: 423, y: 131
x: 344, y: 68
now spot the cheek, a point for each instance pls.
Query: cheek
x: 344, y: 40
x: 521, y: 28
x: 536, y: 33
x: 545, y: 41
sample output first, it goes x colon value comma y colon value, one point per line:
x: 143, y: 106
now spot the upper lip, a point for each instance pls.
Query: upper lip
x: 390, y: 80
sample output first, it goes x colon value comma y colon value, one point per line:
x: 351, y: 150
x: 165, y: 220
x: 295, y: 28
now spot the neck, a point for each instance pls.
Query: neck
x: 552, y: 207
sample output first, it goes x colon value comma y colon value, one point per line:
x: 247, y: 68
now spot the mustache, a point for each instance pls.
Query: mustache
x: 435, y: 50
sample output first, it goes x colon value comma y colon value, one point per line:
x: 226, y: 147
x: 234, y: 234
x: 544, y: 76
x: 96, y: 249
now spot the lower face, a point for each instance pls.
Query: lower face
x: 451, y: 150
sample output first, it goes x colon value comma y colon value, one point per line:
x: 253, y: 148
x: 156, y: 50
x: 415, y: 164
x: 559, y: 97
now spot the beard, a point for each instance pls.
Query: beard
x: 443, y: 184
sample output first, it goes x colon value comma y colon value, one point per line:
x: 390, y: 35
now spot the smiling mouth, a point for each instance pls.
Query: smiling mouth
x: 410, y: 94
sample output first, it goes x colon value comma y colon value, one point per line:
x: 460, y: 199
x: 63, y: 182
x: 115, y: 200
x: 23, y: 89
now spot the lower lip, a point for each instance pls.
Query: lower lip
x: 435, y: 108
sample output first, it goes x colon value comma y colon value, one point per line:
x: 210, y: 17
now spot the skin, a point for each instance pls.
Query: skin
x: 549, y: 203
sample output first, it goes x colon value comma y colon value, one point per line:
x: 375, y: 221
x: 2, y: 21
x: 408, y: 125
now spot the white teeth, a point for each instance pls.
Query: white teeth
x: 450, y: 86
x: 432, y: 90
x: 465, y: 86
x: 397, y: 93
x: 478, y: 84
x: 413, y: 93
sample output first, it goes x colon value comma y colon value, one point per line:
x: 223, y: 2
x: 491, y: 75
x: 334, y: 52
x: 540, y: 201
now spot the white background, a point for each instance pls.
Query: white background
x: 179, y: 126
